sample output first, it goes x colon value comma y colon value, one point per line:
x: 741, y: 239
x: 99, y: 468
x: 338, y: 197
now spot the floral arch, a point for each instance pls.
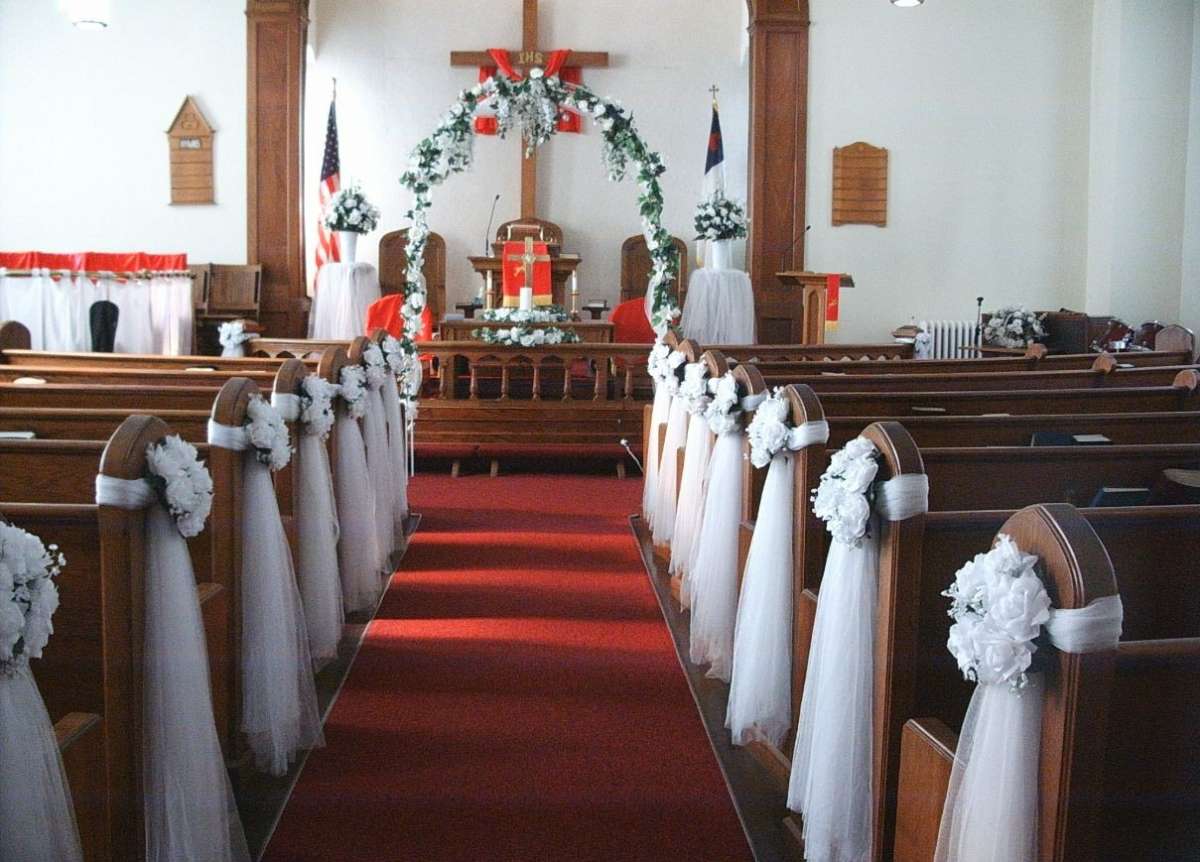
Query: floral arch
x: 530, y: 105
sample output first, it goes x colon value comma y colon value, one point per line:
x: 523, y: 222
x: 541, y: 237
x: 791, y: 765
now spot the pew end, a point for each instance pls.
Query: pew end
x: 14, y: 335
x: 80, y: 737
x: 927, y: 748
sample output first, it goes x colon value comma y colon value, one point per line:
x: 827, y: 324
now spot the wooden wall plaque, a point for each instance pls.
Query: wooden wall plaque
x: 191, y: 142
x: 860, y: 174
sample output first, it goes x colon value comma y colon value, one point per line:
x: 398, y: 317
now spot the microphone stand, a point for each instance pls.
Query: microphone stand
x: 487, y: 246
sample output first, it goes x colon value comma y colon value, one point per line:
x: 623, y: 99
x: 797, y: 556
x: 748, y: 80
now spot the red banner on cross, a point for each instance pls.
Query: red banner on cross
x: 569, y: 119
x: 513, y: 274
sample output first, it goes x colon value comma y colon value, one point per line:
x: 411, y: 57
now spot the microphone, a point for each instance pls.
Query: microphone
x: 792, y: 245
x: 487, y: 246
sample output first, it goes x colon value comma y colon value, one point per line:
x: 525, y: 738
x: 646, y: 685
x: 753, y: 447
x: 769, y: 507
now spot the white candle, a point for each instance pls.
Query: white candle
x: 575, y: 283
x: 526, y: 298
x: 487, y: 277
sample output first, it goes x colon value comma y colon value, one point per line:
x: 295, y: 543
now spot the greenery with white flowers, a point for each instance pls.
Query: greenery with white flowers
x: 1014, y: 326
x: 719, y: 218
x: 350, y: 210
x: 530, y: 106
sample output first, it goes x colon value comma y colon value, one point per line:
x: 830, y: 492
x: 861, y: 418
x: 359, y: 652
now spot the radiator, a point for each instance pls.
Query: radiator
x: 944, y: 338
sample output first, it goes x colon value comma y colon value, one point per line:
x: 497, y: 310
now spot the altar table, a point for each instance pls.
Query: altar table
x: 342, y: 294
x: 561, y: 267
x: 719, y: 308
x: 155, y: 311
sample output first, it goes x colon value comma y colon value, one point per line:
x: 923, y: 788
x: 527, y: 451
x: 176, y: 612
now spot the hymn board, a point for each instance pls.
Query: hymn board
x: 527, y: 57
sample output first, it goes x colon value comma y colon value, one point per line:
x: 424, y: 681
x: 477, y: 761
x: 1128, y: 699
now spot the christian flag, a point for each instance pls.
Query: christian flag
x: 328, y: 250
x: 714, y: 160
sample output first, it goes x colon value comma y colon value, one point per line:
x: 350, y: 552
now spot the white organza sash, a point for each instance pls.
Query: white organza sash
x: 358, y: 543
x: 690, y: 506
x: 316, y: 550
x: 189, y: 809
x: 279, y: 699
x: 831, y: 763
x: 668, y: 471
x: 760, y: 691
x: 398, y: 448
x: 712, y: 582
x: 379, y: 465
x: 35, y: 802
x: 990, y: 814
x: 658, y: 416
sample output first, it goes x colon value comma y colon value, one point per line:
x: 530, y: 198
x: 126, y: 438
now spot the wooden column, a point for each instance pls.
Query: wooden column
x: 276, y: 36
x: 778, y: 157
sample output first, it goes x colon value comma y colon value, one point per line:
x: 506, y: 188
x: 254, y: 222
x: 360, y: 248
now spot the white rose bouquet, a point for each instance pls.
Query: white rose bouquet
x: 268, y: 434
x: 843, y: 499
x: 353, y: 389
x: 545, y: 314
x: 724, y: 406
x: 232, y: 334
x: 28, y: 595
x: 694, y: 388
x: 1014, y: 326
x: 350, y: 210
x: 526, y: 336
x: 718, y: 218
x: 374, y: 365
x: 998, y: 605
x: 769, y: 429
x: 182, y: 481
x: 316, y: 405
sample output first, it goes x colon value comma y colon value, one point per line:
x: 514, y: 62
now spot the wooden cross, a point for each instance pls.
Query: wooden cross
x: 526, y: 58
x: 528, y: 259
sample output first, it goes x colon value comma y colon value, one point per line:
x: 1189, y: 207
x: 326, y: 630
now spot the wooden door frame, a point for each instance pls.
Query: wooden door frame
x: 276, y: 37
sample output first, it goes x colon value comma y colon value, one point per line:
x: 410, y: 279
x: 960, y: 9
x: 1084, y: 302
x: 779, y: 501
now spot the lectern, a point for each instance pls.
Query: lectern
x: 814, y: 300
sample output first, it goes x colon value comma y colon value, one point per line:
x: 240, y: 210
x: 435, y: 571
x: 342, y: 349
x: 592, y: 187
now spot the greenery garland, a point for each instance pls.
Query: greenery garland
x: 526, y: 336
x: 530, y: 106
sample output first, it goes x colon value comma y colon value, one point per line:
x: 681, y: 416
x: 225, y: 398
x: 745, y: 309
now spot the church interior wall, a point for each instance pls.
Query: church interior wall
x: 83, y: 117
x: 1189, y: 294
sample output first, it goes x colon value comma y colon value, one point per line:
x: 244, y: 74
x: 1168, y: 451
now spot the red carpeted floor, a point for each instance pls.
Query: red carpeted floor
x: 517, y: 697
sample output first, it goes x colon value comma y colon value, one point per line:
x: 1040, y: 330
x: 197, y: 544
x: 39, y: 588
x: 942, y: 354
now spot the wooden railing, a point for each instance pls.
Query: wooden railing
x: 565, y: 372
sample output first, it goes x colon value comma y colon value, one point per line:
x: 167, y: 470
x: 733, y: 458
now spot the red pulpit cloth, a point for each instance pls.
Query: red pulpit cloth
x: 514, y: 275
x: 833, y: 291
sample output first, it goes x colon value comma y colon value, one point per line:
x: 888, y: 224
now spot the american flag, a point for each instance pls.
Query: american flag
x: 327, y: 242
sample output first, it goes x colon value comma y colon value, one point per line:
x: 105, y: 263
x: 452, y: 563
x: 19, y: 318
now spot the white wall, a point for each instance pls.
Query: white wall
x: 984, y: 110
x: 83, y: 116
x: 1189, y: 295
x: 1142, y: 81
x: 391, y: 60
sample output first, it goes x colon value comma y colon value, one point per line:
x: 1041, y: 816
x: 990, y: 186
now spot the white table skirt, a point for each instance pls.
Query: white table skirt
x: 719, y: 308
x: 155, y: 314
x: 343, y: 293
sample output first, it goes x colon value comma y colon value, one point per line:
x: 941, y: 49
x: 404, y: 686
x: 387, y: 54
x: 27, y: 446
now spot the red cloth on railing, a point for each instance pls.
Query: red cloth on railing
x: 93, y: 261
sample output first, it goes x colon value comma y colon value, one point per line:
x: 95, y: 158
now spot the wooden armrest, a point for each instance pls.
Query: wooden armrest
x: 207, y: 591
x: 926, y: 758
x: 73, y: 726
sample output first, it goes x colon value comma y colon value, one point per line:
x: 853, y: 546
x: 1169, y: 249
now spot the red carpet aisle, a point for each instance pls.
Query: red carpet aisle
x: 517, y: 698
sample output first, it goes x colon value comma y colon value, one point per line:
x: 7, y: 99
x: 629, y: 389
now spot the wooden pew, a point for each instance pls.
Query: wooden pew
x: 122, y: 374
x: 91, y: 673
x: 1119, y: 764
x: 1033, y: 361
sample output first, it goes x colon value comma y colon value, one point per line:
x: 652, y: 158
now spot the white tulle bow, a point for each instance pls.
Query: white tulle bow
x: 287, y: 404
x: 232, y: 437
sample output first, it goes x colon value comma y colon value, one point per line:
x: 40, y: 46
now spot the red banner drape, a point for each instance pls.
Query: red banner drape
x: 93, y: 261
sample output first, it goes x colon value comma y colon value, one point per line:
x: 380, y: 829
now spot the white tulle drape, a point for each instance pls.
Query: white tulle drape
x: 668, y: 471
x: 379, y: 464
x: 398, y: 447
x: 990, y: 813
x: 690, y: 506
x: 279, y: 698
x: 317, y: 532
x: 719, y: 308
x: 341, y: 296
x: 831, y: 763
x: 760, y: 687
x: 188, y: 803
x: 658, y: 416
x: 358, y: 542
x: 712, y: 579
x: 35, y: 801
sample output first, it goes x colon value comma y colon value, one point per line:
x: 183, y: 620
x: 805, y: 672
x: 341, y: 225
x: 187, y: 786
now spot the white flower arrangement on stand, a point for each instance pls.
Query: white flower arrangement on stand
x: 350, y: 214
x: 28, y: 596
x: 1014, y: 326
x: 353, y: 390
x: 182, y: 481
x: 316, y: 405
x: 843, y: 499
x: 999, y: 605
x: 232, y: 335
x: 719, y: 218
x: 526, y: 336
x: 268, y: 434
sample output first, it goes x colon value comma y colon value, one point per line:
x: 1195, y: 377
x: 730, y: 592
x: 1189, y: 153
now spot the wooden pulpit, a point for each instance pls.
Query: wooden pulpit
x: 813, y: 301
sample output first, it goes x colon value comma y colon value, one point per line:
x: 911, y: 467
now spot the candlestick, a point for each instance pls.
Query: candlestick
x: 489, y: 299
x: 575, y: 295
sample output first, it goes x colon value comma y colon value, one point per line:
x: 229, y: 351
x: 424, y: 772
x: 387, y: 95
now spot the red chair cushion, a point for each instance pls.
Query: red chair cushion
x: 630, y: 324
x: 385, y: 314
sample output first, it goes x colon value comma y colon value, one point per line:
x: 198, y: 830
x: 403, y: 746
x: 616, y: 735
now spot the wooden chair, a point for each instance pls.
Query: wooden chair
x: 635, y: 268
x: 537, y: 228
x: 393, y: 264
x: 233, y: 291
